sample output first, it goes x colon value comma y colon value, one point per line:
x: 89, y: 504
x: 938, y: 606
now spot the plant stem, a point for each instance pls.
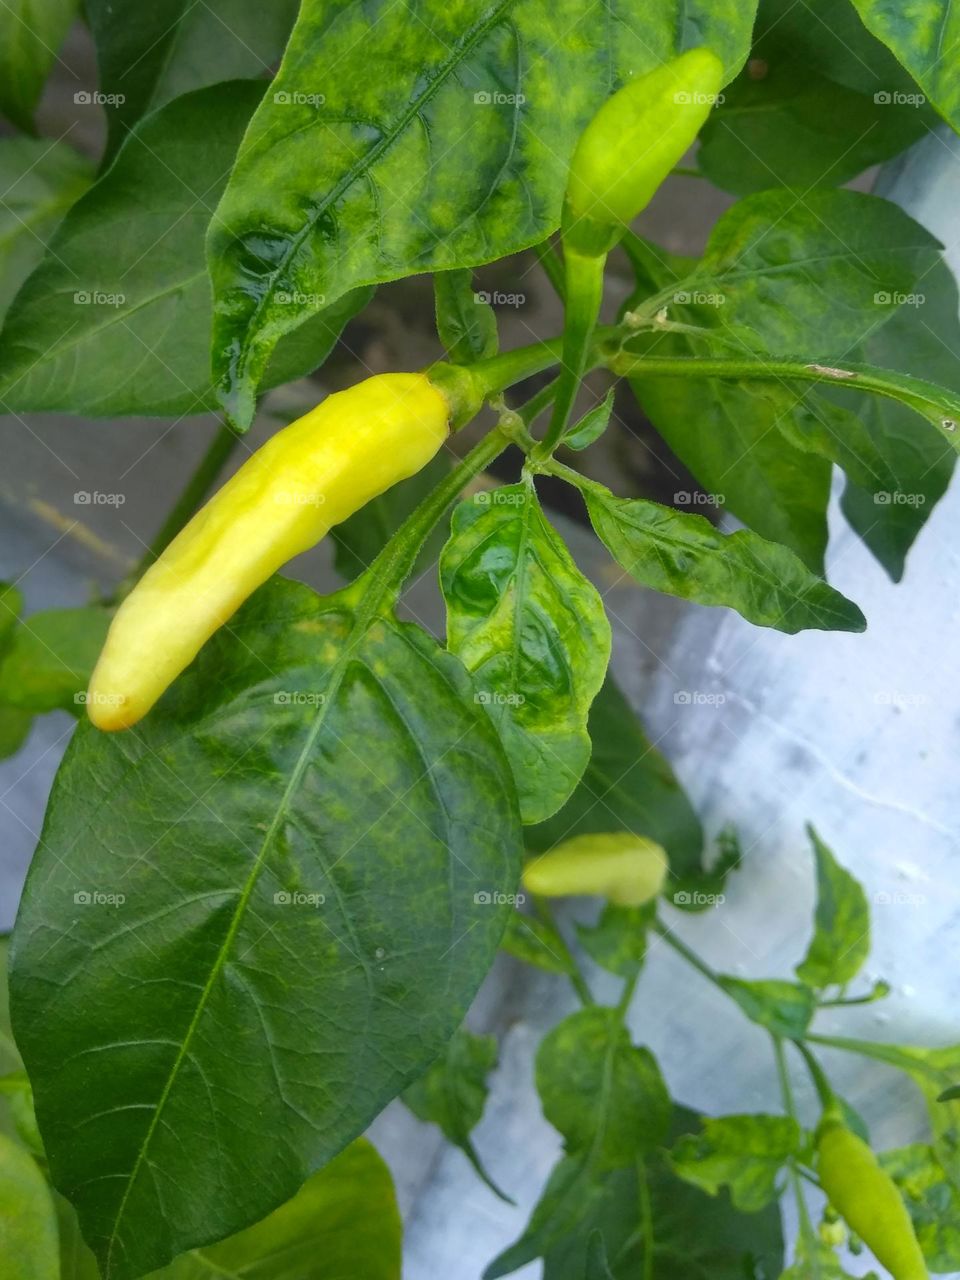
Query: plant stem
x: 822, y: 1084
x: 574, y: 973
x: 646, y: 1218
x: 196, y: 489
x: 502, y: 371
x: 552, y: 266
x: 691, y: 957
x: 806, y: 1225
x: 584, y: 293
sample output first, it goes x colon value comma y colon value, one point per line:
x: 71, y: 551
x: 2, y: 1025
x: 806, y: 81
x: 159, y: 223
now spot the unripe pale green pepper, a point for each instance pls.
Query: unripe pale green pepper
x: 625, y: 869
x: 867, y: 1199
x: 308, y: 477
x: 631, y: 145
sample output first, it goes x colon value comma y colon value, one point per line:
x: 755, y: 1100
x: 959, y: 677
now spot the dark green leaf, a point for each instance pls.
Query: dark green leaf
x: 437, y: 160
x: 933, y: 1199
x: 532, y: 631
x: 742, y: 1153
x: 627, y: 786
x: 785, y: 1008
x: 16, y: 1091
x: 922, y: 337
x: 359, y: 539
x: 685, y: 556
x: 40, y: 180
x: 618, y: 941
x: 592, y: 425
x: 116, y: 319
x: 604, y: 1094
x: 466, y: 321
x: 50, y: 658
x: 536, y: 943
x: 687, y: 1234
x: 597, y: 1266
x: 701, y: 890
x: 149, y: 54
x: 248, y: 936
x: 453, y: 1092
x: 841, y: 940
x: 14, y: 730
x: 794, y: 128
x: 31, y: 32
x: 28, y: 1223
x: 923, y: 38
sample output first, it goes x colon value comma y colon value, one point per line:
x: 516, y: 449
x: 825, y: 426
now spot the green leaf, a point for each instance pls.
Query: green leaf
x: 31, y: 32
x: 627, y: 786
x: 533, y: 633
x: 40, y: 180
x: 28, y: 1224
x: 466, y: 321
x: 605, y: 1095
x: 248, y: 935
x: 618, y: 941
x: 14, y: 730
x: 116, y: 318
x: 536, y: 943
x: 150, y: 54
x: 597, y: 1265
x: 794, y: 128
x: 933, y: 1199
x: 923, y: 340
x: 743, y: 1153
x: 360, y: 539
x: 453, y: 1092
x: 686, y: 1232
x: 785, y: 1008
x: 592, y: 425
x: 438, y: 161
x: 50, y: 658
x: 685, y: 556
x: 922, y: 37
x: 822, y: 1264
x: 323, y: 1233
x: 841, y: 940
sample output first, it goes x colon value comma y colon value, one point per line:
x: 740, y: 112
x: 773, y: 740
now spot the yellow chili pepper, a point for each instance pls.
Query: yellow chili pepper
x: 308, y: 477
x: 625, y: 869
x: 867, y: 1199
x: 632, y: 143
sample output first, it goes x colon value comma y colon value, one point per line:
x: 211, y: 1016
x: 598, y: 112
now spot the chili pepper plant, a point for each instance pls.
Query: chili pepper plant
x: 292, y: 832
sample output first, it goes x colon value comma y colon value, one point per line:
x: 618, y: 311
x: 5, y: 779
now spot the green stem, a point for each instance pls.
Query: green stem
x: 627, y: 994
x: 584, y: 280
x: 806, y: 1225
x: 686, y: 171
x: 552, y: 266
x: 889, y: 1054
x: 691, y: 957
x: 646, y: 1219
x: 499, y: 372
x: 196, y: 489
x: 579, y: 982
x: 824, y: 1092
x: 381, y: 583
